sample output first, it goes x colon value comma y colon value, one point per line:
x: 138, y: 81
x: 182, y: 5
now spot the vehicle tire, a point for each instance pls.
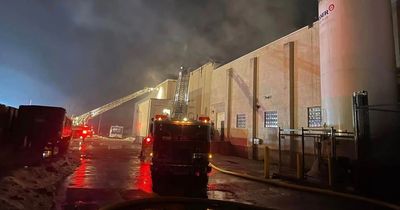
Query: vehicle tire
x: 62, y: 149
x: 202, y: 180
x: 199, y: 186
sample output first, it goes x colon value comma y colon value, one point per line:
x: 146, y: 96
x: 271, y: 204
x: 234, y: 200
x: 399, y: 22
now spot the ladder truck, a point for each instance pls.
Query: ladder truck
x: 179, y: 146
x: 80, y: 127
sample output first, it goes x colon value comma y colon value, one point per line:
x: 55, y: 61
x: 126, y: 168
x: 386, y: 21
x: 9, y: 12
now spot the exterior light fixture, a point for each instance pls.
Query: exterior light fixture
x: 268, y: 97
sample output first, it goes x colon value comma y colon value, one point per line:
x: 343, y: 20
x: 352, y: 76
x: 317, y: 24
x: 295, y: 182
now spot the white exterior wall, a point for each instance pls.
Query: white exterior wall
x: 142, y: 116
x: 272, y: 87
x: 199, y: 90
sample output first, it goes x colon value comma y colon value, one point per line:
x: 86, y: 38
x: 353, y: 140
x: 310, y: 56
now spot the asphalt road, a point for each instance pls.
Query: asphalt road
x: 111, y: 172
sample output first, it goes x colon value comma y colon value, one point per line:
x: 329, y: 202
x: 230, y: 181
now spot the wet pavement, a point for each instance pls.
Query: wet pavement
x: 111, y: 172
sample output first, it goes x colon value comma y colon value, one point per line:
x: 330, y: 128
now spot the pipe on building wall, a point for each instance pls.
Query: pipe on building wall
x: 291, y: 65
x: 229, y: 104
x: 255, y: 107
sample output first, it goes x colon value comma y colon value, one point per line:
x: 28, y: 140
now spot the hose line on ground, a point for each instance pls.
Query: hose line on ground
x: 308, y: 189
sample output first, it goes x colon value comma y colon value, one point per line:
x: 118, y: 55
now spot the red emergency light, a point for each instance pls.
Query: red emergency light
x: 84, y: 131
x: 204, y: 119
x: 147, y: 140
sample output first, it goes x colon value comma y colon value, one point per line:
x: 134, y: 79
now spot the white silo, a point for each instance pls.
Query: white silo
x: 356, y: 53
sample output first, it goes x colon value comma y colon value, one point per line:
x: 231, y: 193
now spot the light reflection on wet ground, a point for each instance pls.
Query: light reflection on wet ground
x: 143, y: 179
x: 114, y: 173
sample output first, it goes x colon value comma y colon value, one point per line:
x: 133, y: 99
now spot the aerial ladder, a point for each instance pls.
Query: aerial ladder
x: 84, y: 118
x: 181, y: 98
x: 178, y: 146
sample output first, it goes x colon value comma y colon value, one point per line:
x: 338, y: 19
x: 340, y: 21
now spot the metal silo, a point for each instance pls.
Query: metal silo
x: 356, y: 53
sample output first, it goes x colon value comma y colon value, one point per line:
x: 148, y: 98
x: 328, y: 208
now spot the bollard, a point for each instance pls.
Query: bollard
x: 266, y: 162
x: 299, y: 166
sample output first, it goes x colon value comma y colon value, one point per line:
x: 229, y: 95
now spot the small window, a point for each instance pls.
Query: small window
x: 241, y: 121
x: 314, y: 117
x: 271, y: 119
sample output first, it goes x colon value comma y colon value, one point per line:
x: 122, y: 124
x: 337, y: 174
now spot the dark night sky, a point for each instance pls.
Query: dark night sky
x: 82, y: 54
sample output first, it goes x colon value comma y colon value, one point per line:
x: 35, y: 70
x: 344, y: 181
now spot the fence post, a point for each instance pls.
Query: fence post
x: 302, y: 153
x: 280, y: 150
x: 330, y: 171
x: 361, y: 124
x: 333, y: 143
x: 361, y: 135
x: 299, y: 166
x: 266, y: 162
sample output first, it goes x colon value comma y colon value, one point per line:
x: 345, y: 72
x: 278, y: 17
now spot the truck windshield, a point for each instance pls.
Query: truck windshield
x: 173, y: 132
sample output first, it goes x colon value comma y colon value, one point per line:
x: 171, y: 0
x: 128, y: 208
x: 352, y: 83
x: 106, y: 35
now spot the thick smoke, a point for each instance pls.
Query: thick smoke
x: 97, y: 51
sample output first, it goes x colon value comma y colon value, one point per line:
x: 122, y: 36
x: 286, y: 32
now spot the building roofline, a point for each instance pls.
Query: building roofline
x: 167, y: 80
x: 270, y: 43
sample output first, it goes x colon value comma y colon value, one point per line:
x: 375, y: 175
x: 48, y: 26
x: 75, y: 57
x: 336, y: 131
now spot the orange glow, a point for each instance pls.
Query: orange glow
x: 161, y: 117
x: 204, y: 119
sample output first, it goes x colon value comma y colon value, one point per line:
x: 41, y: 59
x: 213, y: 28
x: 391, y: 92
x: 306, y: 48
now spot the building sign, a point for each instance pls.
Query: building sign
x: 327, y: 11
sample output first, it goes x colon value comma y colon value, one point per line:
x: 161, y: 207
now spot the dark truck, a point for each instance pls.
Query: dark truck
x: 180, y: 148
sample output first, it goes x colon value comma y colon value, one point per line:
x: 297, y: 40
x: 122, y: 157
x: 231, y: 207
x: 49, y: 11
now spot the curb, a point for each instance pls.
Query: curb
x: 307, y: 189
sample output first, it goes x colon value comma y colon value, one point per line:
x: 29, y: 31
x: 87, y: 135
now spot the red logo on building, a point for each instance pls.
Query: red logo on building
x: 331, y: 7
x: 326, y: 12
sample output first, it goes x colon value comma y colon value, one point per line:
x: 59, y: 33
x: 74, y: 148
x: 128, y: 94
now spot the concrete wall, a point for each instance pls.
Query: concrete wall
x: 260, y: 81
x: 282, y: 76
x: 396, y: 34
x: 142, y: 113
x: 166, y: 90
x: 200, y: 90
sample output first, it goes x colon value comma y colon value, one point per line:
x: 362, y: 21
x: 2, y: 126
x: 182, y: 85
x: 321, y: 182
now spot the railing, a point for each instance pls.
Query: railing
x: 318, y: 135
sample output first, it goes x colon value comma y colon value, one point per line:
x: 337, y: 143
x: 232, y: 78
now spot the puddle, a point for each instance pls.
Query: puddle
x: 220, y: 192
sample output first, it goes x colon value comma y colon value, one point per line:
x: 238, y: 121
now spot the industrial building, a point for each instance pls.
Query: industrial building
x: 305, y: 79
x: 157, y: 102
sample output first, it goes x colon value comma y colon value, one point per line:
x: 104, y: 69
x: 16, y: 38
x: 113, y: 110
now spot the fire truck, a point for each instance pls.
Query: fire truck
x: 82, y: 132
x: 66, y: 135
x: 178, y: 145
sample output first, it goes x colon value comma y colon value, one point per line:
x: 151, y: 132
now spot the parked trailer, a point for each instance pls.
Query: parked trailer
x: 39, y: 131
x: 3, y: 122
x: 8, y: 118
